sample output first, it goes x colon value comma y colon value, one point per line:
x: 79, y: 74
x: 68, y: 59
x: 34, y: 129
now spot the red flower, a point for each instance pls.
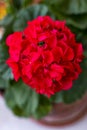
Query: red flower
x: 45, y: 55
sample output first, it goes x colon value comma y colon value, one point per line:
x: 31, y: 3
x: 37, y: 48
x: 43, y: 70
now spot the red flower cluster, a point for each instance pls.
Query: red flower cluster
x: 45, y: 55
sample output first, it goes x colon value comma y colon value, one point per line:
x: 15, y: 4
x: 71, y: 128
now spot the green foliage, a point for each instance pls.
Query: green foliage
x: 73, y: 11
x: 25, y: 102
x: 3, y: 83
x: 25, y: 3
x: 20, y: 97
x: 29, y: 14
x: 57, y: 98
x: 7, y: 23
x: 5, y: 72
x: 43, y: 108
x: 69, y: 6
x: 15, y: 5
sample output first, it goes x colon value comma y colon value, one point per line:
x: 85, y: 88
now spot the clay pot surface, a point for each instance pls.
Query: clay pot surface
x: 64, y: 114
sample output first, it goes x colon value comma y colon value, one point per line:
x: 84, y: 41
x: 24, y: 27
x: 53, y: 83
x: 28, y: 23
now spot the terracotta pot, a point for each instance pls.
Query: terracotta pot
x: 63, y: 114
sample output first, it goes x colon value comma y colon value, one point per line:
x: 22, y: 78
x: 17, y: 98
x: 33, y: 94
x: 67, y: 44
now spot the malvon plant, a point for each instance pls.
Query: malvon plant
x: 45, y: 55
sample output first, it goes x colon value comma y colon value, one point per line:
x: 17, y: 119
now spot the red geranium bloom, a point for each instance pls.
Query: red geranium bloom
x: 45, y: 55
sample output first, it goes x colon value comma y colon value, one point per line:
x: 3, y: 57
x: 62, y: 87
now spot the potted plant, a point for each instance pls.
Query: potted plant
x: 46, y: 56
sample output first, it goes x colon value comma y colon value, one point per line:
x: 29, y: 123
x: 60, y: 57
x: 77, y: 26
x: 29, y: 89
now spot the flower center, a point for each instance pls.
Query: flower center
x: 23, y: 36
x: 41, y: 43
x: 54, y: 80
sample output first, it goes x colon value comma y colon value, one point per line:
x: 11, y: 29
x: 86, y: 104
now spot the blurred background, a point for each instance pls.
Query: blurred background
x: 14, y: 15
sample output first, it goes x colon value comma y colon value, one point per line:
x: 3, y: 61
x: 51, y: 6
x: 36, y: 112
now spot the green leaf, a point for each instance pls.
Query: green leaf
x: 21, y: 99
x: 3, y: 56
x: 17, y: 4
x: 76, y: 7
x: 26, y: 3
x: 68, y: 6
x: 7, y: 20
x: 24, y: 101
x: 82, y: 37
x: 7, y: 74
x: 73, y: 11
x: 21, y: 20
x: 7, y: 23
x: 57, y: 98
x: 13, y: 5
x: 43, y: 108
x: 27, y: 14
x: 79, y: 21
x: 3, y: 83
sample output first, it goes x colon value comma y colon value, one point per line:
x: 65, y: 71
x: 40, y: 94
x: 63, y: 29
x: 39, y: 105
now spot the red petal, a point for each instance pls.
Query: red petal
x: 67, y: 84
x: 15, y: 68
x: 69, y: 54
